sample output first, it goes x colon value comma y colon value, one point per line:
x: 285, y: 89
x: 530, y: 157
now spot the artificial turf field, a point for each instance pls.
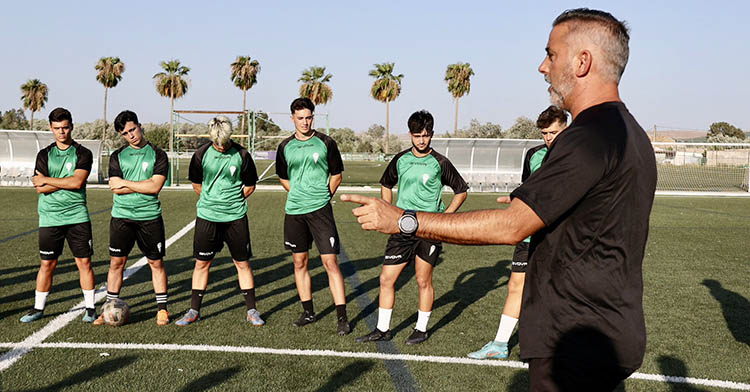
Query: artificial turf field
x: 696, y: 302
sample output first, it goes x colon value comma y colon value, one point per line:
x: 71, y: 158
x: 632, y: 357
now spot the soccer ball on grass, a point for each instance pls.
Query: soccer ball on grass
x: 116, y: 312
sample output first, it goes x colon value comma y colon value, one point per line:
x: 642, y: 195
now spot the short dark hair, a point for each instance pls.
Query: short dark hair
x: 302, y: 103
x: 60, y: 114
x: 123, y: 118
x: 551, y: 115
x: 420, y: 121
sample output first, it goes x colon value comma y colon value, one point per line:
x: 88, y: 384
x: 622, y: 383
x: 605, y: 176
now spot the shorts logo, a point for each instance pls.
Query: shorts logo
x: 232, y: 169
x: 290, y: 244
x: 316, y: 156
x: 205, y: 253
x: 46, y: 252
x: 144, y: 166
x: 432, y: 249
x: 68, y: 166
x: 91, y: 244
x: 158, y: 246
x: 333, y: 241
x: 111, y: 249
x: 392, y: 257
x: 425, y: 177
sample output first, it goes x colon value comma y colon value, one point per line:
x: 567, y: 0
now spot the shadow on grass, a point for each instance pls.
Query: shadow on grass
x: 519, y: 382
x: 346, y: 376
x: 736, y: 310
x: 89, y: 374
x: 672, y: 366
x: 211, y: 380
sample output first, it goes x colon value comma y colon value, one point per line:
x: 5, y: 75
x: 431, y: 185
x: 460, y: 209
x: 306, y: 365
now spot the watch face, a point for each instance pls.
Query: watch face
x: 407, y: 224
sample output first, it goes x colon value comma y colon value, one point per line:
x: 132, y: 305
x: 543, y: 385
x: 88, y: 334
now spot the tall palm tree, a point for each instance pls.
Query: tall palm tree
x: 110, y: 70
x: 34, y: 97
x: 314, y: 85
x: 386, y: 88
x: 172, y: 83
x: 245, y: 76
x: 459, y: 84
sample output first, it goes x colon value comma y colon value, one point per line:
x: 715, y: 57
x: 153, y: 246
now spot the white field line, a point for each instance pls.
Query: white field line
x: 350, y: 354
x: 8, y: 359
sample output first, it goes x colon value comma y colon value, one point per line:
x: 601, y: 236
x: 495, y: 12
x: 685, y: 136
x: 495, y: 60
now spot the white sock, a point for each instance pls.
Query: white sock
x: 384, y: 319
x: 505, y: 329
x: 40, y: 299
x: 422, y: 319
x: 88, y: 298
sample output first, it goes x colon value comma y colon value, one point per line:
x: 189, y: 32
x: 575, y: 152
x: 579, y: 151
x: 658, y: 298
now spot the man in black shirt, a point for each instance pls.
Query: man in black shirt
x: 582, y: 327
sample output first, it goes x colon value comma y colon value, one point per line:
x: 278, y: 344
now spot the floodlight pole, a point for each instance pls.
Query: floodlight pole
x: 254, y: 131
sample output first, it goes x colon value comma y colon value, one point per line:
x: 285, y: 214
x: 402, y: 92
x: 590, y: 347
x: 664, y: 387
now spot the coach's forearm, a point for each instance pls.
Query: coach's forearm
x: 284, y: 184
x: 333, y: 183
x: 46, y: 189
x: 458, y: 200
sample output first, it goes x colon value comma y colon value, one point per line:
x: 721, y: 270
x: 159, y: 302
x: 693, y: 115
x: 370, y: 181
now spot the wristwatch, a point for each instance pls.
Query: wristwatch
x: 408, y: 223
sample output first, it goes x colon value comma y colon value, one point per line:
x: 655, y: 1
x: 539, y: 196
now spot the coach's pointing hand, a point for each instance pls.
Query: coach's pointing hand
x: 375, y: 214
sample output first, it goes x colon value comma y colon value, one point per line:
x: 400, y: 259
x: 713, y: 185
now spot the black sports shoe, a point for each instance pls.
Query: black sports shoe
x: 343, y: 327
x: 304, y: 319
x: 417, y: 337
x: 374, y: 336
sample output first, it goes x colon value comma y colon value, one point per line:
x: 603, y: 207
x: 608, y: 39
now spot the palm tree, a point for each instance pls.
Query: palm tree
x: 244, y: 76
x: 314, y: 85
x: 110, y: 70
x: 171, y: 83
x: 459, y: 84
x: 386, y: 88
x: 34, y: 97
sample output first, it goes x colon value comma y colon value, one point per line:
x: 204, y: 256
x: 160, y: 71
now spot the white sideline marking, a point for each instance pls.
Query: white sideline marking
x: 350, y: 354
x: 8, y: 359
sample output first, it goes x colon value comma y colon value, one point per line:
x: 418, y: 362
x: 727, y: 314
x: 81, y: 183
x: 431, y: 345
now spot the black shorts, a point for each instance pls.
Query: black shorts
x: 52, y: 240
x: 520, y: 257
x: 124, y: 233
x: 319, y: 225
x: 400, y: 250
x: 210, y: 237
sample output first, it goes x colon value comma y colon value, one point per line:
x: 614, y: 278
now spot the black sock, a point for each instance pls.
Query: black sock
x: 112, y: 295
x: 196, y: 299
x: 341, y: 312
x: 161, y: 301
x: 249, y: 295
x: 308, y: 306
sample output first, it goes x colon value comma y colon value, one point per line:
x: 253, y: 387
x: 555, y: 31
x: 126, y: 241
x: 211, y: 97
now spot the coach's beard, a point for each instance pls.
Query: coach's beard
x: 425, y: 151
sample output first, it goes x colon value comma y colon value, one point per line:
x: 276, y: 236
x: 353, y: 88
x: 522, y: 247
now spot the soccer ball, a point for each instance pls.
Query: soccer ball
x: 115, y: 312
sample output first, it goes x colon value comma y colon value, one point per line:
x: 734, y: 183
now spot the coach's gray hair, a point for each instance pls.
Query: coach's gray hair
x: 220, y: 130
x: 608, y: 33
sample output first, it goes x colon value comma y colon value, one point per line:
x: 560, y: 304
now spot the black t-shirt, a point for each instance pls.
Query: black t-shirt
x: 594, y: 194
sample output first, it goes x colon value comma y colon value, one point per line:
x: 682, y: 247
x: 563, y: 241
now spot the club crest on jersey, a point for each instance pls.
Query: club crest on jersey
x: 316, y: 156
x: 425, y: 177
x: 68, y: 166
x: 232, y: 169
x: 144, y: 166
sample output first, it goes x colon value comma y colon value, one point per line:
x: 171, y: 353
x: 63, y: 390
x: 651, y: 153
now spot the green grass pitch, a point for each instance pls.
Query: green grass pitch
x: 695, y: 298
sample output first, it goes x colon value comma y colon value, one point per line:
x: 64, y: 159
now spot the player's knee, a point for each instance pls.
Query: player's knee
x: 48, y: 265
x: 155, y: 264
x: 242, y: 265
x: 387, y: 280
x: 202, y: 265
x: 515, y: 284
x: 330, y: 264
x: 424, y: 282
x: 83, y: 263
x: 300, y: 264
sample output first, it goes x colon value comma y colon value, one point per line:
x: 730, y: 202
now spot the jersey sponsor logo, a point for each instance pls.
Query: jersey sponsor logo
x: 425, y: 177
x: 432, y: 249
x: 111, y: 249
x: 315, y: 157
x: 46, y: 252
x: 332, y: 241
x: 232, y: 169
x: 68, y: 166
x: 290, y: 244
x: 392, y: 257
x: 144, y: 166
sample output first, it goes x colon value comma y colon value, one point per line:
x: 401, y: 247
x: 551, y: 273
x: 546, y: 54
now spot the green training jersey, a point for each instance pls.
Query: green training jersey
x: 420, y: 180
x: 307, y: 165
x: 222, y: 176
x: 137, y: 164
x: 531, y: 163
x: 63, y: 207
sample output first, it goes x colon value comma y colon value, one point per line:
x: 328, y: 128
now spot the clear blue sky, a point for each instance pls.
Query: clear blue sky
x: 686, y: 64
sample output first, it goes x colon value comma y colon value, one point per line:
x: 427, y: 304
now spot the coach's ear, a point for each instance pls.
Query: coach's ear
x: 582, y: 63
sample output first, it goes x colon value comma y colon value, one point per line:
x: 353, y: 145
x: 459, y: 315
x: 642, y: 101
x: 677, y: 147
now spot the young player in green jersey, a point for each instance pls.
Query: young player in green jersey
x: 137, y: 173
x: 223, y: 174
x: 551, y: 121
x: 309, y: 167
x: 420, y: 173
x: 61, y: 172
